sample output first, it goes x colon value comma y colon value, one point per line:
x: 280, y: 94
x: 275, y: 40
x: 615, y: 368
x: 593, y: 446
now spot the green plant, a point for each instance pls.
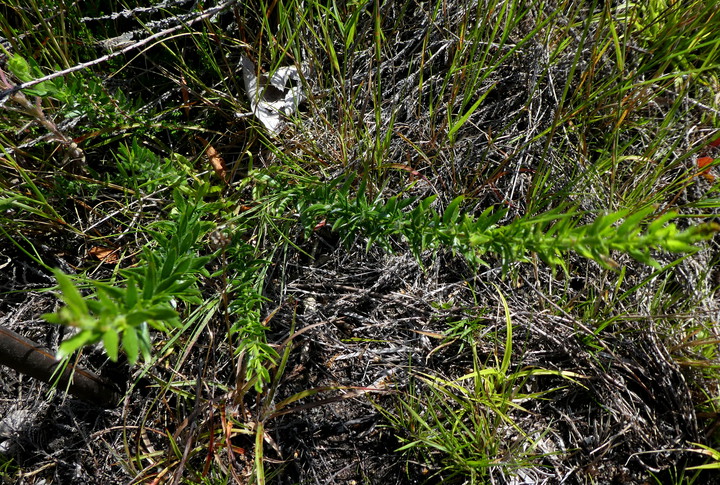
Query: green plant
x: 120, y: 314
x: 8, y: 467
x: 142, y: 170
x: 549, y: 235
x: 247, y: 332
x: 20, y: 103
x: 461, y: 425
x: 713, y: 454
x: 466, y: 330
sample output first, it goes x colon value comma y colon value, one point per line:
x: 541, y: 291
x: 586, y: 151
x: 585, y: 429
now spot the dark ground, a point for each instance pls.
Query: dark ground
x: 627, y: 415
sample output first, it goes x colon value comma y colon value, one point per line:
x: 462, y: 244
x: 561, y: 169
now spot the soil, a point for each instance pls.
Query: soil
x: 372, y: 332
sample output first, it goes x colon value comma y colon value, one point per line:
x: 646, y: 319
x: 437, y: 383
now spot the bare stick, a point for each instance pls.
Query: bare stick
x: 29, y: 358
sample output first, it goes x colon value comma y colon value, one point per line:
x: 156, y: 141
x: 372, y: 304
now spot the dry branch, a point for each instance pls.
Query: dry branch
x: 30, y: 358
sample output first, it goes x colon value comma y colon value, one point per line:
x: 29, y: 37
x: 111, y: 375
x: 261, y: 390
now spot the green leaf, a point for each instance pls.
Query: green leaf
x: 180, y: 202
x: 105, y: 305
x: 657, y: 224
x: 184, y: 263
x: 69, y: 346
x: 463, y: 119
x: 130, y: 344
x: 169, y: 264
x: 162, y: 313
x: 135, y: 318
x: 631, y: 224
x: 678, y: 246
x: 507, y: 354
x: 144, y: 340
x: 111, y: 340
x: 453, y: 210
x: 644, y: 258
x: 712, y: 453
x: 179, y: 286
x: 150, y: 282
x: 198, y: 264
x: 53, y: 318
x: 70, y: 295
x: 131, y: 294
x: 20, y: 68
x: 24, y: 72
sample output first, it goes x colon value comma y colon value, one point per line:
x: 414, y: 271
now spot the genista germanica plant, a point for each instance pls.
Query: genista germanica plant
x: 550, y: 235
x: 120, y: 314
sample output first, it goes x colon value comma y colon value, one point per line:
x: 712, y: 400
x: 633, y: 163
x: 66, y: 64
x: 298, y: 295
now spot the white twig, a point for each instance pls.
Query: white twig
x: 99, y: 60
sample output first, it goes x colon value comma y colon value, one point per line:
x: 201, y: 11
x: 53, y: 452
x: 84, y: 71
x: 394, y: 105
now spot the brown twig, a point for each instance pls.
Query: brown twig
x: 30, y: 358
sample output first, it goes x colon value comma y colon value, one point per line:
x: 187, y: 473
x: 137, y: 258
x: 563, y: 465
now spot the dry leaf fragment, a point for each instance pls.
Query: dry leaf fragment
x: 704, y: 163
x: 106, y: 255
x: 216, y: 161
x: 716, y: 142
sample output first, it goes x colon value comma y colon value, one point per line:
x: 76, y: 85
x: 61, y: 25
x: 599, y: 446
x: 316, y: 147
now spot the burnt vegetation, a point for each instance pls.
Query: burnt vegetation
x: 359, y: 241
